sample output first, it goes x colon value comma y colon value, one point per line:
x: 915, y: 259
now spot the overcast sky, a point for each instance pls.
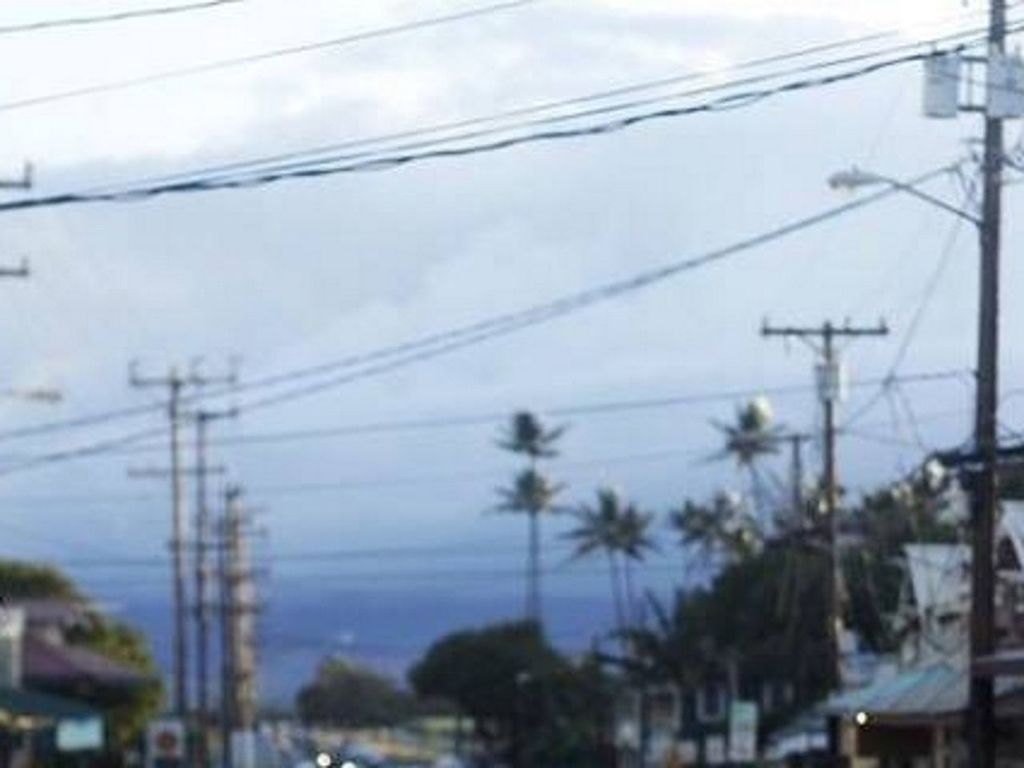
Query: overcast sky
x: 308, y: 271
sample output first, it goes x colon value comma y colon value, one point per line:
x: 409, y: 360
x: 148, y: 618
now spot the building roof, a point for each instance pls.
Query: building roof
x: 50, y: 612
x: 51, y: 664
x: 925, y: 692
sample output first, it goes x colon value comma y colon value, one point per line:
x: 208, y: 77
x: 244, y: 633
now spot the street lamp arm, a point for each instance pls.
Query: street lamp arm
x: 854, y: 178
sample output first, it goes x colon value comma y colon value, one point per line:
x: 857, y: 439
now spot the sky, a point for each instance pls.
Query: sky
x: 304, y: 272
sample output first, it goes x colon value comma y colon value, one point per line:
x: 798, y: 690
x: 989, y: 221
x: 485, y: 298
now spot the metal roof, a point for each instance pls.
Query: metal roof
x: 927, y: 691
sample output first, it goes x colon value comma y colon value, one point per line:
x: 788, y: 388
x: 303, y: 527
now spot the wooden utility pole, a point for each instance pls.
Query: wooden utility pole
x: 202, y: 603
x: 239, y: 607
x: 830, y: 384
x: 984, y: 496
x: 174, y: 382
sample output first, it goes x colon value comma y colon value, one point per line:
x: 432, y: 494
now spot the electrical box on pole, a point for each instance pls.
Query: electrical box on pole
x: 1004, y: 92
x: 942, y: 86
x: 831, y: 380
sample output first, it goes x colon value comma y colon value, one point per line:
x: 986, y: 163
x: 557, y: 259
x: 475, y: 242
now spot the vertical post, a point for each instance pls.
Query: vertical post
x: 831, y: 516
x: 227, y: 715
x: 981, y: 706
x: 202, y: 618
x: 829, y: 392
x: 177, y: 550
x: 202, y: 574
x: 174, y: 383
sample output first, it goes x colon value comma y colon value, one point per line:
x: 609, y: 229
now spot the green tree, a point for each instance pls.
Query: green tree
x: 882, y: 523
x: 347, y: 695
x: 529, y: 705
x: 531, y: 493
x: 721, y: 528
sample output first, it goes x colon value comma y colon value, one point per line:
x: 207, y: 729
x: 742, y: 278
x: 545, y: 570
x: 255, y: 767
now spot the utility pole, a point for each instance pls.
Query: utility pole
x: 830, y: 392
x: 202, y: 603
x: 984, y: 499
x: 238, y: 636
x: 174, y: 382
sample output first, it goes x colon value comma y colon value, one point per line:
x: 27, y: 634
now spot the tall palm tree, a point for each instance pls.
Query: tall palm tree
x: 622, y: 532
x: 531, y: 492
x: 749, y: 438
x: 634, y: 542
x: 599, y: 529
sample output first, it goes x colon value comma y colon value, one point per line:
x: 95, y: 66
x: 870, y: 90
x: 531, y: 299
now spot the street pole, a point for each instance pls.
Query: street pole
x: 829, y: 391
x: 981, y: 705
x: 202, y: 544
x: 174, y: 383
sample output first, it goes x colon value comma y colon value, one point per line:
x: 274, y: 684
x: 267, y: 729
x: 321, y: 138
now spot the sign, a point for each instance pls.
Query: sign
x: 165, y: 744
x: 714, y: 750
x: 743, y: 732
x: 79, y: 734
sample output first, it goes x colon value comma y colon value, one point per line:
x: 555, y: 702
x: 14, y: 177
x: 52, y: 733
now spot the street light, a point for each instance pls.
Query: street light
x: 855, y: 178
x: 37, y: 395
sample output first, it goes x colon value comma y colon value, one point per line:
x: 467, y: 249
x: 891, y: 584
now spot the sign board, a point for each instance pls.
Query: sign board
x: 714, y: 750
x: 687, y: 751
x: 79, y: 734
x: 743, y: 732
x: 165, y: 744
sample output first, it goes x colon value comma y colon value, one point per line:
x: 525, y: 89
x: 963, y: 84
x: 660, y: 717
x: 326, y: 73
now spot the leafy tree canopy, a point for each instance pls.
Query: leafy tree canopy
x: 348, y: 695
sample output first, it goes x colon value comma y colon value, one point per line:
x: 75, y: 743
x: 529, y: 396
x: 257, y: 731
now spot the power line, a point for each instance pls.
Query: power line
x: 310, y: 154
x: 587, y: 409
x: 444, y: 342
x: 932, y: 284
x: 331, y: 166
x: 142, y: 13
x: 291, y: 489
x: 221, y: 64
x: 440, y: 344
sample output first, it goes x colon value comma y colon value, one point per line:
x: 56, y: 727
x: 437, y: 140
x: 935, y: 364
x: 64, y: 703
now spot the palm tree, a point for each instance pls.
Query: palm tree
x: 748, y: 440
x: 721, y: 528
x: 598, y: 530
x: 622, y: 532
x: 526, y: 435
x: 531, y: 493
x: 635, y: 542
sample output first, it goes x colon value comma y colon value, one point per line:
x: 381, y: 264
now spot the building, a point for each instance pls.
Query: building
x: 45, y: 682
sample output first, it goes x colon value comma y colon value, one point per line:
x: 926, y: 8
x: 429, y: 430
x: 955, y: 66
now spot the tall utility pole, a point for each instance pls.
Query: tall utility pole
x: 238, y: 636
x: 203, y: 418
x: 981, y: 704
x: 830, y: 386
x: 174, y: 382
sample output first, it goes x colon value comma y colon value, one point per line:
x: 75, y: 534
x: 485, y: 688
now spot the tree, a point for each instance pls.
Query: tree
x: 634, y: 542
x: 345, y: 695
x: 598, y: 530
x: 721, y: 528
x: 528, y: 704
x: 531, y: 493
x: 127, y: 710
x: 748, y: 440
x: 884, y: 521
